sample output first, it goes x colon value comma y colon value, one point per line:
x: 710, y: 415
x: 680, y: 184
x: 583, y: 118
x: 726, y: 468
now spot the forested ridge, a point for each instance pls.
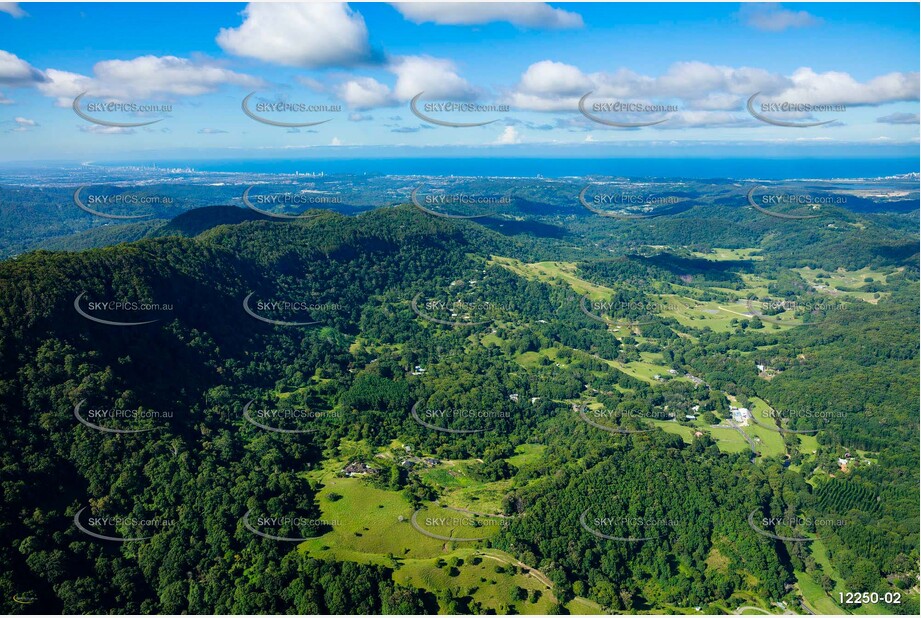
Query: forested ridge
x: 203, y: 467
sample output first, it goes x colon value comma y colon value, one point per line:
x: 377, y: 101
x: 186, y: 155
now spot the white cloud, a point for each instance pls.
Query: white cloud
x: 335, y: 142
x: 301, y: 35
x: 364, y: 93
x: 529, y: 15
x: 101, y: 130
x: 437, y: 77
x: 772, y: 17
x: 899, y: 118
x: 148, y: 76
x: 16, y: 72
x: 144, y: 77
x: 509, y: 136
x: 13, y: 9
x: 64, y: 86
x: 554, y: 78
x: 23, y: 124
x: 311, y: 83
x: 211, y: 131
x: 699, y: 80
x: 701, y: 87
x: 835, y: 87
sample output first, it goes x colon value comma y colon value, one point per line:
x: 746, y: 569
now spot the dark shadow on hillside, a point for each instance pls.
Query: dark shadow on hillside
x: 509, y: 227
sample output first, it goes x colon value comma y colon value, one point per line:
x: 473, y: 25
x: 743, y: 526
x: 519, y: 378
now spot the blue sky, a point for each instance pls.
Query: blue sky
x: 696, y: 64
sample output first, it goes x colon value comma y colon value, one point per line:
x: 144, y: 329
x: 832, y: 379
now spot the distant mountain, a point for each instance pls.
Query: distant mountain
x: 104, y: 236
x: 194, y: 222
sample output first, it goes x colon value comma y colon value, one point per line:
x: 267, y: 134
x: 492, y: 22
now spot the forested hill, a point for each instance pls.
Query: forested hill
x: 321, y: 314
x: 200, y: 356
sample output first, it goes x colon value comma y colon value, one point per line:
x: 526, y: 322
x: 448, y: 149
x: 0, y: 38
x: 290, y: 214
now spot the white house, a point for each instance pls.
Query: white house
x: 740, y: 415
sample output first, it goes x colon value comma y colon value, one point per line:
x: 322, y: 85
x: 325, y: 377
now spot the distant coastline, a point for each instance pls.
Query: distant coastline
x: 692, y: 167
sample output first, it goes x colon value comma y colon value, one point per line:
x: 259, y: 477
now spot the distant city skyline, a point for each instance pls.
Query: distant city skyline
x: 348, y: 75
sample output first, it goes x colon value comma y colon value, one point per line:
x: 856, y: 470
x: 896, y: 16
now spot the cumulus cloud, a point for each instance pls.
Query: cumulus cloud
x: 101, y: 130
x: 12, y: 8
x: 301, y: 35
x: 144, y: 77
x: 147, y: 76
x: 527, y: 15
x: 436, y: 77
x: 64, y: 86
x: 364, y: 93
x: 509, y: 136
x: 899, y: 118
x: 703, y: 92
x: 16, y: 72
x: 23, y: 124
x: 835, y: 87
x: 772, y: 17
x: 554, y: 77
x: 211, y: 131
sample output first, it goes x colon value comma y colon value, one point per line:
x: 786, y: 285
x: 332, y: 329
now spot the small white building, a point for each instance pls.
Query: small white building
x: 740, y: 415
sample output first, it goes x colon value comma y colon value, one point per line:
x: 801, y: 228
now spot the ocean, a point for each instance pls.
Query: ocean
x: 695, y: 168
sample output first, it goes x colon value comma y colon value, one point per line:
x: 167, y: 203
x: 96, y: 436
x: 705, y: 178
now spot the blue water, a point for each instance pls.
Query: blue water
x: 699, y: 168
